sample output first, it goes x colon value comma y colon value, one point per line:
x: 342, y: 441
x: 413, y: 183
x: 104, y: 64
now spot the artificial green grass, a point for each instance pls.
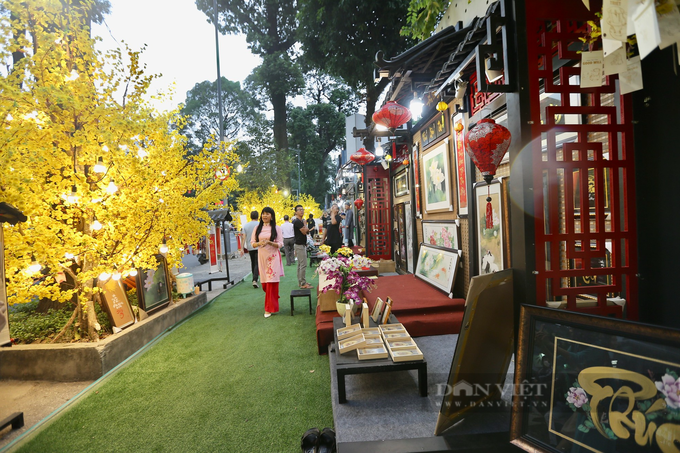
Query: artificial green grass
x: 226, y: 380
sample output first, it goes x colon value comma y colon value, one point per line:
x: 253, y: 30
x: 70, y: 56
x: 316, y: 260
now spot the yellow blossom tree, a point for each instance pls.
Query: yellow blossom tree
x: 282, y: 205
x: 101, y: 175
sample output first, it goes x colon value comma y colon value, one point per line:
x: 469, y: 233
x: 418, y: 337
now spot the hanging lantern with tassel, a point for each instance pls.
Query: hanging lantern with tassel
x: 392, y: 115
x: 362, y: 157
x: 486, y: 143
x: 359, y: 203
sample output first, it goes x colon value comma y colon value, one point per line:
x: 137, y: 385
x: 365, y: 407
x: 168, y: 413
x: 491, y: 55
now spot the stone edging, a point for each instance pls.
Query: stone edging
x: 90, y: 361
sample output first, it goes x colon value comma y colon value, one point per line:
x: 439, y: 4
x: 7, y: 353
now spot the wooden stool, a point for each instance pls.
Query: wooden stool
x: 300, y: 293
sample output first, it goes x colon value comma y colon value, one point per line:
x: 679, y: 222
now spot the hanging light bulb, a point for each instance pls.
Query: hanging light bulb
x: 133, y: 272
x: 116, y: 275
x: 73, y: 196
x: 99, y: 167
x: 416, y: 106
x: 104, y: 276
x: 111, y: 188
x: 164, y: 247
x: 35, y: 266
x: 381, y: 127
x: 388, y: 157
x: 96, y: 225
x: 239, y: 168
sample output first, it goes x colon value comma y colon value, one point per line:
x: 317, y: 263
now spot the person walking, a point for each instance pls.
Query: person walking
x: 288, y: 241
x: 332, y: 236
x: 300, y: 229
x: 349, y: 224
x: 268, y: 239
x: 248, y: 229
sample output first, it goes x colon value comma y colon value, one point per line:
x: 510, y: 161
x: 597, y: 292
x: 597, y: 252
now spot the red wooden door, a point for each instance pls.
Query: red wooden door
x: 378, y: 222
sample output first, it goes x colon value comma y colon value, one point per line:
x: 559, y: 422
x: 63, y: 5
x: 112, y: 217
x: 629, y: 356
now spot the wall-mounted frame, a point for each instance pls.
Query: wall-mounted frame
x: 591, y: 186
x: 442, y: 233
x: 153, y: 286
x: 401, y: 184
x: 416, y: 175
x: 460, y: 159
x: 490, y: 242
x: 437, y: 266
x: 434, y: 131
x: 590, y: 383
x: 436, y: 180
x: 483, y: 351
x: 116, y: 303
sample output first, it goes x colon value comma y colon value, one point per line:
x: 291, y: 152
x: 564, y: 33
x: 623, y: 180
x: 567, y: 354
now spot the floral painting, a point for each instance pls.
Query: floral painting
x: 436, y: 179
x: 443, y: 234
x: 489, y: 240
x: 437, y: 266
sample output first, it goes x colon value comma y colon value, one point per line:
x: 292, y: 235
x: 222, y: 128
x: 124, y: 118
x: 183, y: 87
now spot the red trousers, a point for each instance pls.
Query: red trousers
x: 271, y: 298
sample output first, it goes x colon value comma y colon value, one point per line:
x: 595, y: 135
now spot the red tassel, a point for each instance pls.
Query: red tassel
x: 489, y: 209
x: 489, y: 214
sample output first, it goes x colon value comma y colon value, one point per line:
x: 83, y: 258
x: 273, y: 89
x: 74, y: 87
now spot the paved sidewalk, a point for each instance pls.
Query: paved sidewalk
x: 38, y: 399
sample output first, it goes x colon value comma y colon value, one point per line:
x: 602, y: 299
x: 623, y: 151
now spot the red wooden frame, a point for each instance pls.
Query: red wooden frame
x: 378, y: 213
x: 602, y: 148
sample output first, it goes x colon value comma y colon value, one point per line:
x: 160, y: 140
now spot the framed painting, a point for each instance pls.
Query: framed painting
x: 594, y: 384
x: 591, y: 185
x: 409, y: 237
x: 401, y: 184
x: 490, y: 243
x: 153, y: 289
x: 400, y: 254
x: 416, y: 175
x: 116, y: 303
x: 460, y: 159
x: 437, y: 266
x: 436, y: 179
x: 442, y: 233
x: 483, y: 351
x: 434, y: 131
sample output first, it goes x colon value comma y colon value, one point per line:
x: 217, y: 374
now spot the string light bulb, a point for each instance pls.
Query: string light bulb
x: 164, y: 247
x: 116, y: 275
x: 99, y: 167
x: 104, y: 276
x: 96, y: 225
x: 111, y: 188
x: 133, y: 272
x: 73, y: 196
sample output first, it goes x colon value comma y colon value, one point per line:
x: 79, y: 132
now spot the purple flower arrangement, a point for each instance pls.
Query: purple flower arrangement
x: 341, y: 269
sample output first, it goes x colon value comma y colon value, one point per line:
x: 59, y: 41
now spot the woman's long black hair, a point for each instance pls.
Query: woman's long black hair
x: 272, y: 223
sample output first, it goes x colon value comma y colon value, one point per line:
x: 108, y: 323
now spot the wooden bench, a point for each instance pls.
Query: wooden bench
x: 16, y: 420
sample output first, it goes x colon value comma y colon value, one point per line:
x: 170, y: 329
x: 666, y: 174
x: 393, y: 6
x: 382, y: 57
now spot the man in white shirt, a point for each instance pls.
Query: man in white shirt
x: 248, y: 229
x: 288, y: 240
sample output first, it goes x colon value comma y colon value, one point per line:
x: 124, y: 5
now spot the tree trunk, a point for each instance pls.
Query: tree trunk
x: 280, y: 134
x: 372, y: 93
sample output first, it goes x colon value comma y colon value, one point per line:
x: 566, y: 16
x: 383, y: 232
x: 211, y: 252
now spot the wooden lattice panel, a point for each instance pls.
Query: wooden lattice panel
x: 583, y: 173
x: 379, y: 227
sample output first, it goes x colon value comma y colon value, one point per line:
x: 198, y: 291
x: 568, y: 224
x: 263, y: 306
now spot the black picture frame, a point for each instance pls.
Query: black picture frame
x: 589, y: 383
x: 157, y: 293
x: 434, y: 131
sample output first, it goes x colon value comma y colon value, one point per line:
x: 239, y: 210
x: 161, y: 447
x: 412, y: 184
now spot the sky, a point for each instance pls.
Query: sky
x: 180, y: 44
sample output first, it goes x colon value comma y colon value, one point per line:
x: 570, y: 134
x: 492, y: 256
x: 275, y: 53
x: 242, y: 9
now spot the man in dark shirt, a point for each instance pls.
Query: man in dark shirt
x: 301, y: 231
x: 349, y: 224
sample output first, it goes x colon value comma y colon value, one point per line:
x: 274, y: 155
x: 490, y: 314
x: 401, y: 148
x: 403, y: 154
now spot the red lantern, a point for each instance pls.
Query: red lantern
x: 392, y: 115
x: 362, y: 157
x: 487, y: 143
x: 359, y: 203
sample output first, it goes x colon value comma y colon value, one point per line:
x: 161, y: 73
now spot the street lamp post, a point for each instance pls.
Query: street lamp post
x: 299, y: 180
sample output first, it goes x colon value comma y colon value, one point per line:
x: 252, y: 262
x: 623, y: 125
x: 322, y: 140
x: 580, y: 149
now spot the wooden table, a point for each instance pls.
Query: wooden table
x: 349, y: 363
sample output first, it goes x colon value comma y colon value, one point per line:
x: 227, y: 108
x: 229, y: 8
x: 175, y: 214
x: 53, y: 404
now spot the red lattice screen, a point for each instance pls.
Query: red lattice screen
x: 582, y: 147
x: 378, y: 224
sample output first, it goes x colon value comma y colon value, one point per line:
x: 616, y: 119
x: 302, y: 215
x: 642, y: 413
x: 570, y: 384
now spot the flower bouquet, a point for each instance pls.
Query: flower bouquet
x: 341, y: 267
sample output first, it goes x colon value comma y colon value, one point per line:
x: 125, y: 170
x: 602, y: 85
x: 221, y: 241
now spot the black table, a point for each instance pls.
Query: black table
x: 349, y: 364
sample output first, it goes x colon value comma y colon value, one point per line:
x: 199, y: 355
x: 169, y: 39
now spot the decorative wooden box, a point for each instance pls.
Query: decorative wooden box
x: 377, y: 352
x: 350, y: 344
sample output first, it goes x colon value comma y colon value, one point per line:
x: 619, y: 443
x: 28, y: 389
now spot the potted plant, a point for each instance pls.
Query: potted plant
x: 340, y: 268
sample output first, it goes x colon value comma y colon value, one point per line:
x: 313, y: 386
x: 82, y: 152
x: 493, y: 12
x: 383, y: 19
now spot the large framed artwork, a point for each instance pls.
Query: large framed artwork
x: 460, y: 160
x: 442, y: 233
x: 400, y: 237
x: 409, y: 237
x: 490, y: 243
x: 416, y: 175
x: 436, y: 179
x: 437, y: 266
x: 116, y: 303
x: 594, y: 384
x: 483, y: 351
x: 153, y: 289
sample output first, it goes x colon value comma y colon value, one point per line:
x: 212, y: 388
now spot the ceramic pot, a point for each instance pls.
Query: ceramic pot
x: 340, y: 307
